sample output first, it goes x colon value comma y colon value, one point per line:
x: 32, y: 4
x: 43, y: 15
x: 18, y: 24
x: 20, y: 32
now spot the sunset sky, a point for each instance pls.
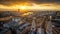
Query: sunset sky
x: 30, y: 4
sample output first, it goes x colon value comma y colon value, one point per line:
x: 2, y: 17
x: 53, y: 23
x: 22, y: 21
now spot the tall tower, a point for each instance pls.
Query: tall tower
x: 18, y: 10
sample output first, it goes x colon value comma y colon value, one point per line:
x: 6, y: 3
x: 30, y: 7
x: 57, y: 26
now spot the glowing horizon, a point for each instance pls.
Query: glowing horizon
x: 33, y: 6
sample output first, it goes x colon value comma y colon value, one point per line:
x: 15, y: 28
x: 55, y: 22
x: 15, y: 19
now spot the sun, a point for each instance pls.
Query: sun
x: 22, y: 7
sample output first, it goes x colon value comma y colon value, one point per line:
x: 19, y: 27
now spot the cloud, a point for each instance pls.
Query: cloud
x: 11, y: 2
